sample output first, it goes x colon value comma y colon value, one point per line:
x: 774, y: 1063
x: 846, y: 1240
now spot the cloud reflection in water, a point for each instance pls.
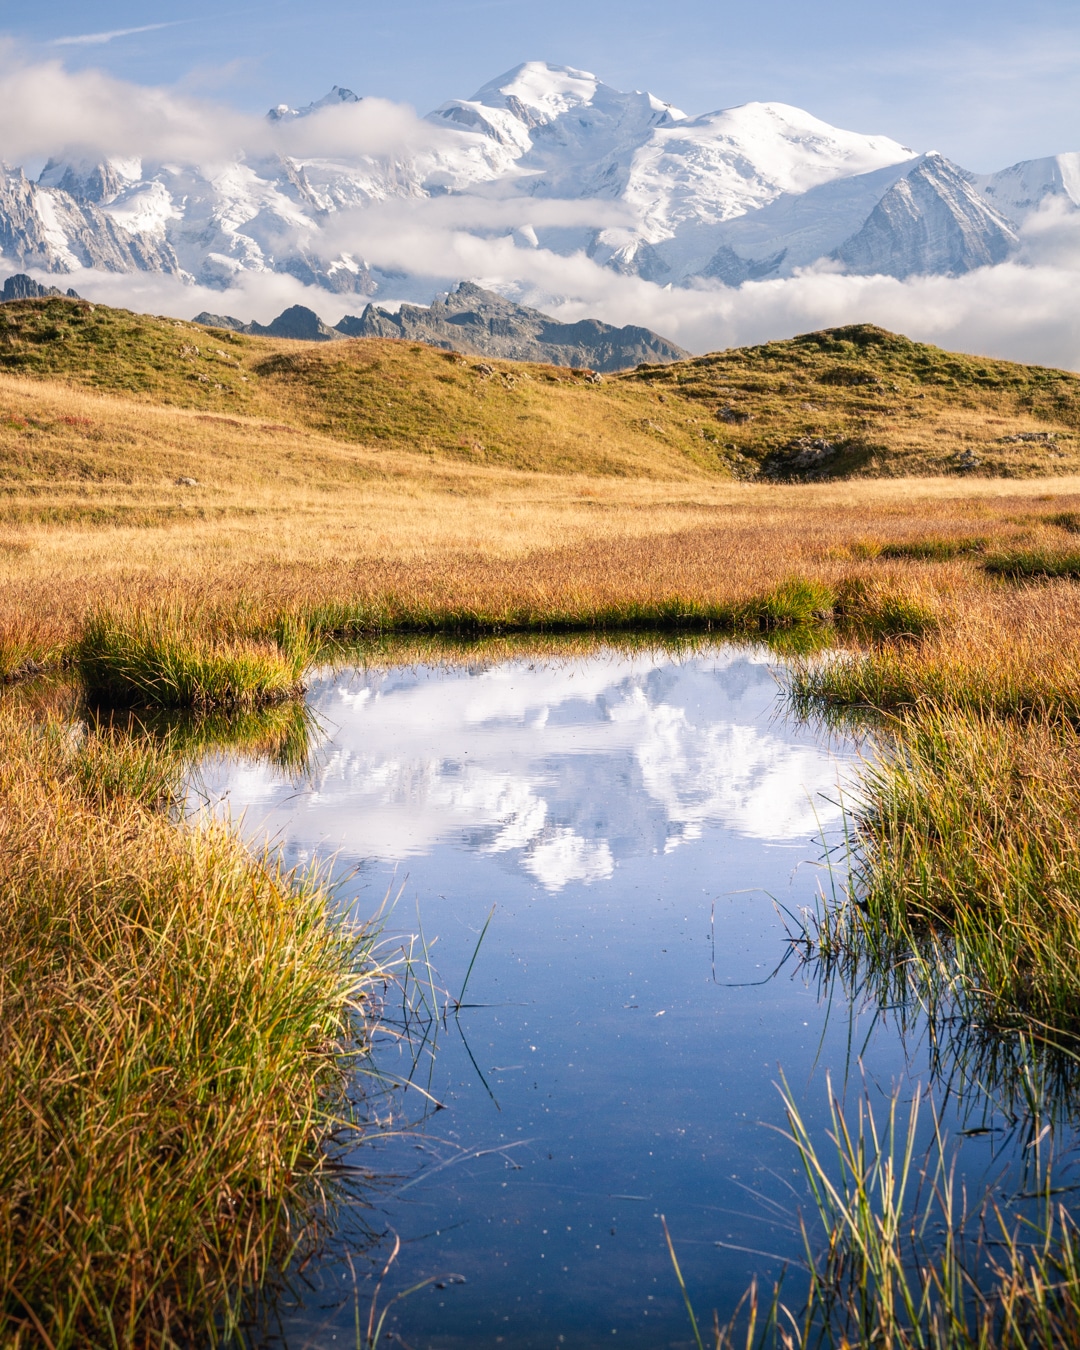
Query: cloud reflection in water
x: 564, y: 768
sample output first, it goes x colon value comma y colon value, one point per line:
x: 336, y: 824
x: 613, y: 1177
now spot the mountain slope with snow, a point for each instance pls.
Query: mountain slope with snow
x: 544, y: 157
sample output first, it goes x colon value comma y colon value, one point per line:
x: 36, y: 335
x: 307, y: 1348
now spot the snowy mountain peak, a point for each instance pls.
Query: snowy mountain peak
x: 1022, y: 188
x: 546, y: 90
x: 283, y: 113
x: 753, y: 192
x: 542, y: 112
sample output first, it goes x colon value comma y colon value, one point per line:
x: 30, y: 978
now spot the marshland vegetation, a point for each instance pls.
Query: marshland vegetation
x: 180, y: 1016
x: 188, y: 518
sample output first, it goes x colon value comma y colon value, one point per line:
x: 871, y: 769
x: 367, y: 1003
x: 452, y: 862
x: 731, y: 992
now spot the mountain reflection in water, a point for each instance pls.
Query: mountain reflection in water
x: 567, y: 770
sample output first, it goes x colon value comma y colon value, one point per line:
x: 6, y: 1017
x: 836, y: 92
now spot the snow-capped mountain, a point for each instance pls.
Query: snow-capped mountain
x: 553, y: 158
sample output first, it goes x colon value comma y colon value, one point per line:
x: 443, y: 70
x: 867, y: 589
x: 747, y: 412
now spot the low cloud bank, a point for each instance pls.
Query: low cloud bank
x: 1018, y: 311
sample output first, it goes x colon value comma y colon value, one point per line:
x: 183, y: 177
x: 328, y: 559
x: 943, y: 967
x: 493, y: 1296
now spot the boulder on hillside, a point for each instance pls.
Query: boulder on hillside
x: 208, y: 320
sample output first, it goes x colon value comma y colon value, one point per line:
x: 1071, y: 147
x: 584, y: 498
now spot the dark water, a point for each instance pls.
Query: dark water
x: 645, y: 827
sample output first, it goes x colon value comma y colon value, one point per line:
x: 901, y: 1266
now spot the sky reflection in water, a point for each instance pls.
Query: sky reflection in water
x: 640, y: 823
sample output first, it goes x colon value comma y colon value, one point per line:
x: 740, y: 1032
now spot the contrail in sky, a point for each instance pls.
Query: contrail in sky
x: 98, y: 39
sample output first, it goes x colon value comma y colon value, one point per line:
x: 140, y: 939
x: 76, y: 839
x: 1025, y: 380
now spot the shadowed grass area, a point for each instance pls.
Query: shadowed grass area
x: 163, y: 658
x: 177, y: 1016
x: 923, y: 550
x: 281, y: 733
x: 797, y: 602
x: 969, y: 835
x: 1019, y: 564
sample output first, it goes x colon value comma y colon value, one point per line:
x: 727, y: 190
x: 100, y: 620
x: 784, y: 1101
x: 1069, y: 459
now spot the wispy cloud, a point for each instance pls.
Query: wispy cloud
x: 99, y: 39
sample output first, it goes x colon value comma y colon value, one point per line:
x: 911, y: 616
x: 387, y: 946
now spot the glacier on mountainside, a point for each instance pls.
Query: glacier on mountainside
x: 549, y: 157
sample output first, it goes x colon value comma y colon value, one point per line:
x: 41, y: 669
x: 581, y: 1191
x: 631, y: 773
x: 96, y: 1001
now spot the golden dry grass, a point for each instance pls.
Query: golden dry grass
x: 177, y: 1017
x: 92, y: 513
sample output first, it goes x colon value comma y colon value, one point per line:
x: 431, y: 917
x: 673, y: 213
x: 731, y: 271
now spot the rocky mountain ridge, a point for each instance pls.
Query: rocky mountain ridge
x: 478, y: 323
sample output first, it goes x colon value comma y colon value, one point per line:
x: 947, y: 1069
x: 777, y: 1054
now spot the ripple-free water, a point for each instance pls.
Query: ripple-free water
x: 644, y: 826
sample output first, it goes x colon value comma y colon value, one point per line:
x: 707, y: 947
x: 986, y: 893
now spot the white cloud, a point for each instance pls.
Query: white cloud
x: 46, y: 109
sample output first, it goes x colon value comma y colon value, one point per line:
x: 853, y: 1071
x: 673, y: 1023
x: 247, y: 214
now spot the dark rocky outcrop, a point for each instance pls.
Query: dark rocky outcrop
x: 22, y: 287
x: 295, y: 322
x: 482, y: 323
x: 479, y: 323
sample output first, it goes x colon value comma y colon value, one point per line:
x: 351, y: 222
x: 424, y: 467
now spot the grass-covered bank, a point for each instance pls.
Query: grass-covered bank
x: 176, y: 1019
x: 215, y: 655
x: 965, y: 873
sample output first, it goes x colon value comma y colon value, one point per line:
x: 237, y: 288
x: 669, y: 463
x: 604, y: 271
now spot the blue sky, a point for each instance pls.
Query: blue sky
x: 984, y: 81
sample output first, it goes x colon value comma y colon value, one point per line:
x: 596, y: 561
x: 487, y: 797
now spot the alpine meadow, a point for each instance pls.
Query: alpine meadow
x: 523, y: 821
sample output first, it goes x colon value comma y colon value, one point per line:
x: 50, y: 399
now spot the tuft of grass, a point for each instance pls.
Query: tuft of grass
x: 969, y: 835
x: 879, y: 608
x: 934, y: 550
x: 902, y: 1257
x: 177, y: 1019
x: 1020, y: 564
x: 796, y: 602
x: 159, y: 658
x: 28, y: 645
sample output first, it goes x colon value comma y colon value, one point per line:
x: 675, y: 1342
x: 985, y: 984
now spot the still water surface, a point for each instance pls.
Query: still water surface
x: 644, y: 826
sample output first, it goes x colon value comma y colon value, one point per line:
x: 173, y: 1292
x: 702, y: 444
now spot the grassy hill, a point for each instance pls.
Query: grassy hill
x: 848, y: 402
x: 884, y: 406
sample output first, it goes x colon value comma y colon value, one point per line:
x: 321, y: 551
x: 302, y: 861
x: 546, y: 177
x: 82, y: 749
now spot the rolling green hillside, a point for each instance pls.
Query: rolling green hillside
x: 847, y: 402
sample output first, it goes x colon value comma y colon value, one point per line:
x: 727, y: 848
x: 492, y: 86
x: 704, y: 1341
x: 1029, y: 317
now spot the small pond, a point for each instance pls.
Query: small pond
x: 643, y: 829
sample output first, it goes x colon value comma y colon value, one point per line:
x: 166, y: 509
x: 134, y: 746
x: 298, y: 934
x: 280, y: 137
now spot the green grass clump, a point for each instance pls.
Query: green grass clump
x: 177, y: 1018
x: 880, y: 609
x: 971, y: 828
x: 280, y: 733
x: 162, y: 658
x: 1019, y: 564
x: 902, y: 1257
x: 934, y: 550
x: 794, y: 603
